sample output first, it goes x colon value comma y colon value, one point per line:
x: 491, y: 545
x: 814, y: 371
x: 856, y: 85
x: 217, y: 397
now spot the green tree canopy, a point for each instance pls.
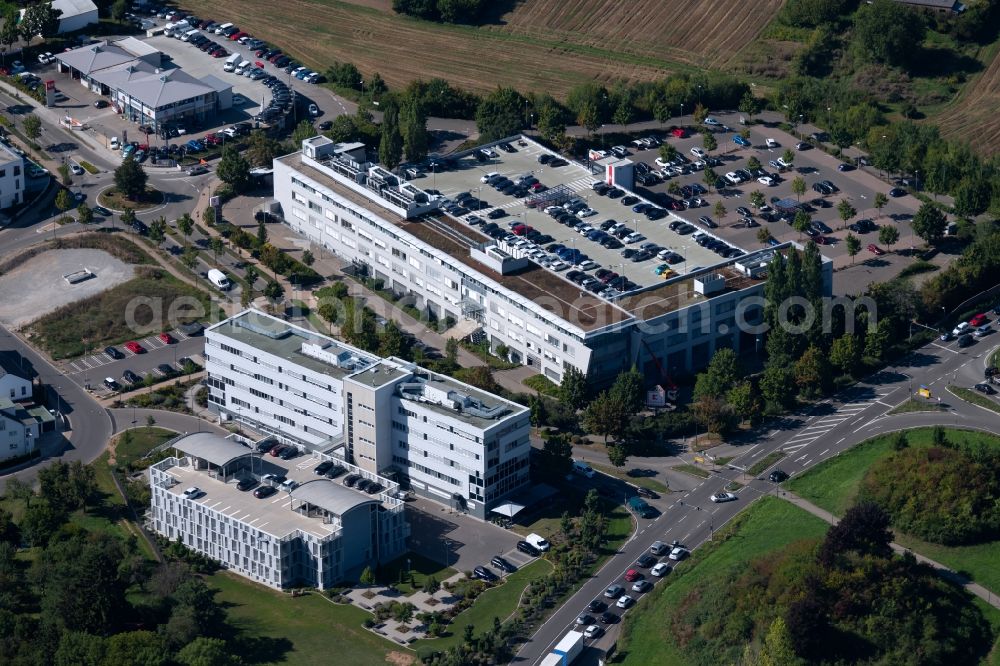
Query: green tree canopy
x: 130, y: 178
x: 500, y: 114
x: 234, y: 169
x: 929, y: 223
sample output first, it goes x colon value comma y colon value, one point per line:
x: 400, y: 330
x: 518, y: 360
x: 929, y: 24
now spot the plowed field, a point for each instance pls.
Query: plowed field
x: 973, y: 116
x: 542, y: 45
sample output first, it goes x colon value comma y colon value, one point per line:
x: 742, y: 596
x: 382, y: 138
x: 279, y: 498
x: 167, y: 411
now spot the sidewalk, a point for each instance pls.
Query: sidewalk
x: 983, y: 593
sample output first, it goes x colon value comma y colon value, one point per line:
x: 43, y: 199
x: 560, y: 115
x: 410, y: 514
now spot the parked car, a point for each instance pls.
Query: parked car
x: 114, y: 352
x: 264, y: 491
x: 134, y: 347
x: 528, y: 549
x: 482, y: 573
x: 112, y: 384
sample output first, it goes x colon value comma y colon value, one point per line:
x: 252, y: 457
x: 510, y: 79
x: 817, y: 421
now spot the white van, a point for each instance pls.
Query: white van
x: 242, y: 67
x: 232, y: 61
x: 222, y: 28
x: 583, y: 468
x: 219, y: 279
x: 537, y: 541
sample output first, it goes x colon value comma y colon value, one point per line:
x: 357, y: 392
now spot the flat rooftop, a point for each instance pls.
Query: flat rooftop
x: 542, y: 286
x: 276, y: 337
x: 272, y: 514
x: 679, y: 293
x: 465, y: 177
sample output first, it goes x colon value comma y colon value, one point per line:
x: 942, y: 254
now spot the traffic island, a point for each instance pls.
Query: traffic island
x: 116, y: 201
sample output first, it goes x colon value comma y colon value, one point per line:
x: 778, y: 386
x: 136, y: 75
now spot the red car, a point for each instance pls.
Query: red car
x: 236, y: 35
x: 822, y: 240
x: 876, y: 250
x: 166, y: 338
x: 978, y: 320
x: 679, y: 132
x: 213, y: 140
x: 134, y: 347
x: 633, y: 575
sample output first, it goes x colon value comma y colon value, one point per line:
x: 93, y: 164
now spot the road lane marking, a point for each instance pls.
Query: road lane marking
x: 824, y: 453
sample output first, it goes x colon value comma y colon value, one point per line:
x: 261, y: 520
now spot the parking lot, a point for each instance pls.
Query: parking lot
x: 467, y: 174
x: 811, y: 164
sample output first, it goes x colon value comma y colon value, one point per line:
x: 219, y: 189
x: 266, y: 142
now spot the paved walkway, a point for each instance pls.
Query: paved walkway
x: 367, y: 597
x: 975, y: 588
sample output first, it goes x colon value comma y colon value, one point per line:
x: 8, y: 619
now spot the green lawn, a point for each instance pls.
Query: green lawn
x: 275, y: 628
x: 693, y: 470
x: 833, y: 485
x: 767, y: 525
x: 765, y: 462
x: 420, y: 568
x: 499, y: 601
x: 138, y: 442
x: 975, y: 398
x: 641, y: 481
x: 913, y: 405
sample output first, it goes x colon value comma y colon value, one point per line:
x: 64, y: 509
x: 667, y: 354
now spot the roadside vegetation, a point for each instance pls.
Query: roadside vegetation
x: 101, y: 319
x: 773, y: 587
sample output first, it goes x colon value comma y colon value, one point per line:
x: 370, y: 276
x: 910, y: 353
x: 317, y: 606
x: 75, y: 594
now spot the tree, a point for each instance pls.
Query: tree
x: 415, y: 137
x: 846, y: 211
x: 721, y: 374
x: 500, y: 114
x: 189, y: 257
x: 208, y: 216
x: 390, y: 147
x: 753, y: 163
x: 573, y: 388
x: 853, y: 246
x: 879, y: 340
x: 217, y: 247
x: 234, y: 169
x: 777, y: 384
x: 788, y: 156
x: 929, y: 223
x: 709, y: 142
x: 764, y: 235
x: 158, y: 230
x: 885, y: 32
x: 668, y: 152
x: 798, y: 187
x: 605, y: 416
x: 888, y: 236
x: 623, y: 114
x: 757, y: 199
x: 136, y: 648
x: 709, y: 177
x: 431, y: 585
x: 880, y: 202
x: 39, y: 20
x: 812, y: 373
x: 32, y: 127
x: 64, y: 200
x: 551, y: 120
x: 451, y: 351
x: 19, y: 490
x: 185, y: 224
x: 274, y: 291
x: 864, y: 529
x: 589, y: 116
x: 801, y: 222
x: 745, y: 402
x: 699, y: 114
x: 130, y: 179
x: 748, y: 105
x: 261, y: 234
x: 845, y: 353
x: 628, y: 389
x: 308, y: 258
x: 720, y: 210
x: 78, y: 648
x: 205, y: 651
x: 556, y: 454
x: 65, y: 177
x: 617, y: 454
x: 367, y: 576
x: 84, y: 214
x: 39, y: 522
x: 9, y: 33
x: 778, y: 648
x: 119, y: 9
x: 262, y: 149
x: 390, y: 340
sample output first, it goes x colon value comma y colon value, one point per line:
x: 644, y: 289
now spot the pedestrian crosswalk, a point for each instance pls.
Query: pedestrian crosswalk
x: 823, y: 424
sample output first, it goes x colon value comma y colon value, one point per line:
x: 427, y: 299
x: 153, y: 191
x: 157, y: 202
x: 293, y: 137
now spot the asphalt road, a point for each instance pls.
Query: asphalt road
x: 806, y: 438
x: 87, y: 422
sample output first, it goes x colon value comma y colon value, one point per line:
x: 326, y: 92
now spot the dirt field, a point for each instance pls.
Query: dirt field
x: 543, y: 45
x: 972, y: 117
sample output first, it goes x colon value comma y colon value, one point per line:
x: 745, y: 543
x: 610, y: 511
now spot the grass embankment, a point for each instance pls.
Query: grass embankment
x: 641, y: 481
x: 914, y: 405
x: 102, y: 319
x: 693, y: 470
x: 765, y: 462
x: 766, y: 526
x: 833, y: 485
x: 543, y: 385
x: 138, y: 442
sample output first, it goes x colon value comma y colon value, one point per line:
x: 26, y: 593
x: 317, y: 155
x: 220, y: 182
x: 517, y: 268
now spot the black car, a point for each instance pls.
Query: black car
x: 351, y: 479
x: 496, y: 213
x: 139, y: 228
x: 335, y: 471
x: 264, y: 491
x: 246, y: 484
x: 131, y: 377
x: 527, y: 548
x: 985, y: 388
x: 646, y: 561
x: 629, y: 200
x: 597, y: 606
x: 362, y: 484
x: 482, y: 573
x: 502, y: 564
x: 646, y: 492
x: 288, y: 453
x: 374, y: 488
x: 897, y: 192
x: 323, y: 467
x: 265, y: 447
x: 965, y: 340
x: 166, y: 369
x: 607, y: 617
x: 114, y: 352
x: 777, y: 476
x: 112, y: 384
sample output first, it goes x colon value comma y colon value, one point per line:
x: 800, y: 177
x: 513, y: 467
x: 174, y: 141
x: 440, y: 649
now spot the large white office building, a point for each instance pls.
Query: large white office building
x: 316, y: 533
x: 439, y: 437
x: 395, y: 231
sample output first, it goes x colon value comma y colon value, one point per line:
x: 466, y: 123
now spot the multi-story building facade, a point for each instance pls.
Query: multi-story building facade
x: 315, y: 533
x: 443, y: 439
x: 11, y: 177
x: 397, y: 232
x: 19, y: 430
